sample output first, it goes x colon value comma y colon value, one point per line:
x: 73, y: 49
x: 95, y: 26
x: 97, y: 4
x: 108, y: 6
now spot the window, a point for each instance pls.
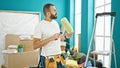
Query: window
x: 77, y: 22
x: 103, y: 29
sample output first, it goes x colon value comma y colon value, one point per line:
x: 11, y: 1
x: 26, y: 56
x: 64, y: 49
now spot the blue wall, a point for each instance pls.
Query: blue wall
x: 84, y: 24
x: 116, y: 35
x: 35, y: 5
x: 87, y: 21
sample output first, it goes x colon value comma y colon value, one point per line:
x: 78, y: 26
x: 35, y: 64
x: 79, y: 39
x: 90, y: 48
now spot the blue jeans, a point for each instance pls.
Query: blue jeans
x: 42, y: 63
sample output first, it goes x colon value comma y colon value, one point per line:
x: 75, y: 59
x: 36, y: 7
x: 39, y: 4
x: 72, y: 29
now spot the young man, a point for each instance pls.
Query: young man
x: 47, y: 35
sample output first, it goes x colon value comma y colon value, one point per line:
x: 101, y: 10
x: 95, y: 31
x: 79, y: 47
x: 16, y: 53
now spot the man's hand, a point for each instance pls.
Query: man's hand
x: 68, y: 35
x: 65, y: 37
x: 56, y: 36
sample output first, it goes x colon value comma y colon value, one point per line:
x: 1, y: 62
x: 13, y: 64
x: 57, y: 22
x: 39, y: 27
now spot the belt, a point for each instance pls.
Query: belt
x: 51, y: 56
x: 53, y: 59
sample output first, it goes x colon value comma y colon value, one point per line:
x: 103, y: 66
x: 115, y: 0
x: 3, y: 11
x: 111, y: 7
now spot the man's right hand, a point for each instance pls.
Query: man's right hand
x: 56, y: 36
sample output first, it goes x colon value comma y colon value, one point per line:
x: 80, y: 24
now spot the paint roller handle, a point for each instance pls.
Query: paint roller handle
x: 59, y: 35
x: 62, y: 37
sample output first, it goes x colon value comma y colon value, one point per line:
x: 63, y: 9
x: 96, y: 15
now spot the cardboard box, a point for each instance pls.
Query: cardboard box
x: 28, y: 44
x: 12, y: 39
x: 20, y: 60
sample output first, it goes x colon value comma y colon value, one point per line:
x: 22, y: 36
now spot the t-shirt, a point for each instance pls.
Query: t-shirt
x: 45, y: 30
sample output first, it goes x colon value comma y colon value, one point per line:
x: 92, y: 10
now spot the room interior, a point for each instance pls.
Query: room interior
x: 81, y: 15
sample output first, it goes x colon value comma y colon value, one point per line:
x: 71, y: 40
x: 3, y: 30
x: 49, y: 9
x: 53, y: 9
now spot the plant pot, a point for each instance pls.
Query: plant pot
x: 20, y: 50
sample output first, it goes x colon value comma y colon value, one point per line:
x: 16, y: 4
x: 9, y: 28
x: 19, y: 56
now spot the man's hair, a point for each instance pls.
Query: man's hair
x: 46, y: 8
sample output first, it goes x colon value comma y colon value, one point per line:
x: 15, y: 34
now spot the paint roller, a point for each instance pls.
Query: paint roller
x: 67, y: 26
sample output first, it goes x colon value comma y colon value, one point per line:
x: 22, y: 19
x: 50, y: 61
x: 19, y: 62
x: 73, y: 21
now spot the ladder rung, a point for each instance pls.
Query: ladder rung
x: 101, y: 52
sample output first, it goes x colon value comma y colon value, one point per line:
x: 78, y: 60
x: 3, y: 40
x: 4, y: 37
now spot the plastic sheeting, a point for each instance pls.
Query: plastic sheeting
x: 14, y: 22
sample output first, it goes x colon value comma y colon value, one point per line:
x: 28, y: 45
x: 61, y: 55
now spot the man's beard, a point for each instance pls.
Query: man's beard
x: 53, y: 16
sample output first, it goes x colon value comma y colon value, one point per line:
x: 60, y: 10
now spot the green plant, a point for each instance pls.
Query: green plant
x: 20, y: 45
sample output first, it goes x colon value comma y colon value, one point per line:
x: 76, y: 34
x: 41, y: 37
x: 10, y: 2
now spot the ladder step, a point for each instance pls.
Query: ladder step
x: 101, y: 52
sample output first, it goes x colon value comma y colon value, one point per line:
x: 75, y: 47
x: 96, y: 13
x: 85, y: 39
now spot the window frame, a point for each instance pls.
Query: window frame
x: 103, y: 6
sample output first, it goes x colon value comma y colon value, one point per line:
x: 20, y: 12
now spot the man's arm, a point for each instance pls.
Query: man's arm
x: 37, y: 43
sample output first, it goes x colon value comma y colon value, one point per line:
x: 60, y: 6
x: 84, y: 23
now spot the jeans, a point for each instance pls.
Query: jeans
x: 42, y: 63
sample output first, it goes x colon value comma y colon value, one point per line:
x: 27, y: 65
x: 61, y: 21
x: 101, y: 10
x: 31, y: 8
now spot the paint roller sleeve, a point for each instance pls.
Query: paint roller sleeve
x: 67, y: 25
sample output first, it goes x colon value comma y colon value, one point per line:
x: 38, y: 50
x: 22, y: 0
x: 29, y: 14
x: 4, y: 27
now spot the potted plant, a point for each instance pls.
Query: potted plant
x: 20, y: 47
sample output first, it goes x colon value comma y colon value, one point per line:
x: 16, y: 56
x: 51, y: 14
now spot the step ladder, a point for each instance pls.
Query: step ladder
x: 92, y: 41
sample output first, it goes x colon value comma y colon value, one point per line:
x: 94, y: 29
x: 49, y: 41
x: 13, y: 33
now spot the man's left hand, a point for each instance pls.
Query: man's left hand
x: 68, y: 35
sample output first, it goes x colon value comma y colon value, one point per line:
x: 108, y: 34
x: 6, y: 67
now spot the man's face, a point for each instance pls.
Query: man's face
x: 53, y: 12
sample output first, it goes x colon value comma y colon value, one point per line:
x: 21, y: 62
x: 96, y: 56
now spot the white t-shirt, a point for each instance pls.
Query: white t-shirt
x: 45, y: 30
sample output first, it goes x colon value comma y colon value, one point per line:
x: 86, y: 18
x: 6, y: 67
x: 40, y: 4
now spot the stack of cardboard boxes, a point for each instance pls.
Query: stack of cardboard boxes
x: 20, y: 60
x: 29, y: 57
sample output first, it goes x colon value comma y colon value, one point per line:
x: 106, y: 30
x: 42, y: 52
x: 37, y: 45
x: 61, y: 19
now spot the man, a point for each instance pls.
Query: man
x: 47, y: 35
